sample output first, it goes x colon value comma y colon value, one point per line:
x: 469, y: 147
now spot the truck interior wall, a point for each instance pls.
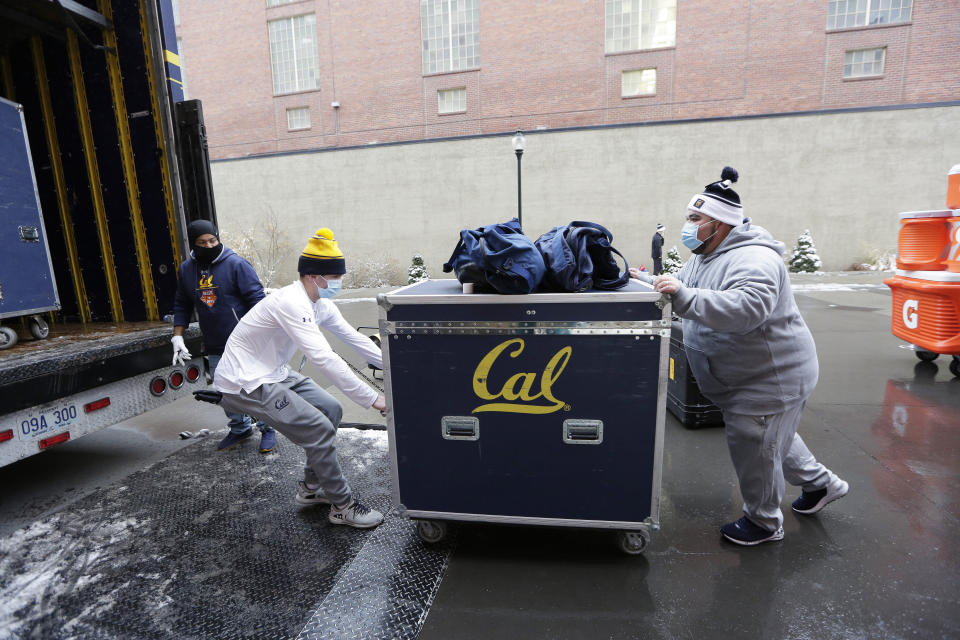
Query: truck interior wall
x: 147, y: 158
x: 25, y: 92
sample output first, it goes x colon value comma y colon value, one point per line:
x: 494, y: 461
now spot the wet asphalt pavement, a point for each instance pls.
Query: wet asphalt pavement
x: 878, y: 564
x: 881, y: 563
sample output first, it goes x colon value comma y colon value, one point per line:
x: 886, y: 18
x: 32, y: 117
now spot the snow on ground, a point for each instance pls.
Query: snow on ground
x: 48, y: 560
x: 837, y: 286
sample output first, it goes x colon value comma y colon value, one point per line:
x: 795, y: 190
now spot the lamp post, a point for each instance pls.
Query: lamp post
x: 519, y: 142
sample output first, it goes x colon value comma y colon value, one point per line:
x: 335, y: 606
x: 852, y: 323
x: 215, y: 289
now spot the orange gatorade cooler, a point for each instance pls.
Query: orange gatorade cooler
x: 926, y: 309
x: 952, y: 261
x: 923, y: 240
x: 953, y: 188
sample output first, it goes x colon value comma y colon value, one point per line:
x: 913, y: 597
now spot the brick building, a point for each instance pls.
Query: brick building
x: 276, y: 75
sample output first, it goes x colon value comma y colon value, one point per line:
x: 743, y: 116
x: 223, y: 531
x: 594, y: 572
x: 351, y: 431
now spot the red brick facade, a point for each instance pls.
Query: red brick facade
x: 542, y: 65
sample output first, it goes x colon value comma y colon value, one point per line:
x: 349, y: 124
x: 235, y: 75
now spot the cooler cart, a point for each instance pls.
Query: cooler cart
x: 542, y: 409
x: 926, y: 287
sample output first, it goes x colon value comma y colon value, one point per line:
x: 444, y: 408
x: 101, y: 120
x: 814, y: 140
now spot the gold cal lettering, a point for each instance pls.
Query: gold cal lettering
x: 206, y: 282
x: 519, y: 387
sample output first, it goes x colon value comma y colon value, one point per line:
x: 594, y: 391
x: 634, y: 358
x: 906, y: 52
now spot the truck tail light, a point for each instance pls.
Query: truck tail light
x: 6, y: 435
x: 193, y: 373
x: 102, y: 403
x: 46, y: 443
x: 158, y: 386
x: 176, y: 380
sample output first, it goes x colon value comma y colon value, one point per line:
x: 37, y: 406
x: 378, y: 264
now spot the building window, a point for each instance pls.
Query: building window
x: 298, y: 118
x: 638, y: 82
x: 859, y: 13
x: 183, y: 67
x: 450, y: 33
x: 277, y: 3
x: 640, y: 24
x: 864, y: 63
x: 452, y: 100
x: 293, y: 54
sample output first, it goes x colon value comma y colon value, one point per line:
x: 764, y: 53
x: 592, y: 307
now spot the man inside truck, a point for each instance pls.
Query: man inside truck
x: 221, y: 286
x: 255, y: 379
x: 752, y: 355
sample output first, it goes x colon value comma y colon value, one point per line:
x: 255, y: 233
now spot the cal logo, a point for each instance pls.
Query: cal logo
x: 206, y: 282
x: 281, y: 403
x: 698, y: 203
x: 517, y: 393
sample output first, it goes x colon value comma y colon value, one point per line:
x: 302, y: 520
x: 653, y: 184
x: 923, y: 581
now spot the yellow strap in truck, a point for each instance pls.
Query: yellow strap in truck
x: 93, y: 172
x: 56, y: 164
x: 161, y: 141
x: 129, y: 167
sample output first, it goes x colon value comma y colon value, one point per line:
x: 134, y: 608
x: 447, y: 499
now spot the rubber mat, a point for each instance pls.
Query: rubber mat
x: 208, y: 544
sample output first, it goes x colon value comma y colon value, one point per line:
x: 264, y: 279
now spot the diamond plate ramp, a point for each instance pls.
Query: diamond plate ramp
x: 208, y: 544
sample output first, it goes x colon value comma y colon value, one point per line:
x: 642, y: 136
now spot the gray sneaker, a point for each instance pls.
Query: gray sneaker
x: 356, y: 515
x: 306, y: 495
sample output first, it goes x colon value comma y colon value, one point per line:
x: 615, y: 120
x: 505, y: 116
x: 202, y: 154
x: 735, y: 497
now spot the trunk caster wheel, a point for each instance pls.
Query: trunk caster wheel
x: 633, y: 543
x: 39, y: 328
x: 8, y: 337
x: 955, y: 366
x: 926, y: 356
x: 431, y: 531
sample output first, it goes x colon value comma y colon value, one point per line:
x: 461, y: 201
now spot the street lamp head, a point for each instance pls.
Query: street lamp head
x: 519, y: 142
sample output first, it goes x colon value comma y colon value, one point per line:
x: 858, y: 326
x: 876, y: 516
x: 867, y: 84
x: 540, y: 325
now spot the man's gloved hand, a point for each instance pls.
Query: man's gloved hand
x: 180, y: 352
x: 208, y: 395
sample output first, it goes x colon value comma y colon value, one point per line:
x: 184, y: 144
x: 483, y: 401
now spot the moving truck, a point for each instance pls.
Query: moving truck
x: 103, y: 164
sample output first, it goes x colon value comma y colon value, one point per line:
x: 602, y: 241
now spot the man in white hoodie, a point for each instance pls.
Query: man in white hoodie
x: 752, y: 355
x: 254, y: 377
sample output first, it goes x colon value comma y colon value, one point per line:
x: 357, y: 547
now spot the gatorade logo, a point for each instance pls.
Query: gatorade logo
x: 911, y: 314
x: 517, y: 391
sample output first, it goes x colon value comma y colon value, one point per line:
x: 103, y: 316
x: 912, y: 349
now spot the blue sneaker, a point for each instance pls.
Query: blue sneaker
x: 233, y: 439
x: 810, y: 502
x: 748, y: 534
x: 268, y: 440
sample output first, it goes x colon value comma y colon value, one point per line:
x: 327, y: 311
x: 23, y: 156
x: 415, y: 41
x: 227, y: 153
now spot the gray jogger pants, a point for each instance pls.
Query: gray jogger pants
x: 308, y: 416
x: 766, y: 451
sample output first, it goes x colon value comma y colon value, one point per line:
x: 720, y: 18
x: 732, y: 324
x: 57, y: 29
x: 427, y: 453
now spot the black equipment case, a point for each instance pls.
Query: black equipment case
x: 684, y: 399
x: 541, y: 409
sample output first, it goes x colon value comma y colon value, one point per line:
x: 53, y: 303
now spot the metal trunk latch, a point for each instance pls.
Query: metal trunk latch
x: 578, y: 431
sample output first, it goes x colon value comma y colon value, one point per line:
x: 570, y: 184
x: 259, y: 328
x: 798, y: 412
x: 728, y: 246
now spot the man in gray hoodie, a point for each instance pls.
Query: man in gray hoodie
x: 752, y: 355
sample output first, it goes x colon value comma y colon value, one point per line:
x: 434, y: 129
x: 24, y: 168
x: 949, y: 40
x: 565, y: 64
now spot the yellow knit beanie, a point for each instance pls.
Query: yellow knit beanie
x: 322, y: 255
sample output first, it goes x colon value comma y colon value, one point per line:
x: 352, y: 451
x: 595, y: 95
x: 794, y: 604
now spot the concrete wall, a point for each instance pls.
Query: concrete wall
x: 844, y: 176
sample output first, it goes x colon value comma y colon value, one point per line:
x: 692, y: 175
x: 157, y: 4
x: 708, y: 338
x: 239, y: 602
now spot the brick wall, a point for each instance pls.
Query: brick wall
x: 542, y: 65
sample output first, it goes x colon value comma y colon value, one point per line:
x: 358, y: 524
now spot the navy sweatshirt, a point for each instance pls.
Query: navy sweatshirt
x: 221, y: 293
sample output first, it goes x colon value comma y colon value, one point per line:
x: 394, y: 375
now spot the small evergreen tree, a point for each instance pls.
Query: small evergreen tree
x: 804, y: 258
x: 417, y: 272
x: 672, y: 263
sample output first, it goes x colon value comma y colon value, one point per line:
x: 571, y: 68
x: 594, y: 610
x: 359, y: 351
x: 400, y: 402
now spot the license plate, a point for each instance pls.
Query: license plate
x: 48, y: 422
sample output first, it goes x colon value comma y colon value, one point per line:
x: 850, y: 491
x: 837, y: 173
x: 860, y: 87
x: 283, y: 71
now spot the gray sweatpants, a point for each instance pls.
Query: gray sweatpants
x: 766, y: 451
x: 308, y: 416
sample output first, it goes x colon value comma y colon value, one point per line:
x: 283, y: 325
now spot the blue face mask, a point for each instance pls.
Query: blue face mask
x: 333, y: 288
x: 688, y: 236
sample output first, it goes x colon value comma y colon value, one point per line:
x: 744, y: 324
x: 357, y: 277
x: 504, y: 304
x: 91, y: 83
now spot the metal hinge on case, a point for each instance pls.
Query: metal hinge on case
x: 663, y: 301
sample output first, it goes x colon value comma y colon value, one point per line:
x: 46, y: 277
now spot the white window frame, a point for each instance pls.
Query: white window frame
x: 635, y: 25
x: 866, y: 13
x: 455, y: 99
x: 456, y: 23
x: 640, y: 83
x: 277, y: 3
x: 850, y: 60
x: 302, y: 61
x: 298, y: 111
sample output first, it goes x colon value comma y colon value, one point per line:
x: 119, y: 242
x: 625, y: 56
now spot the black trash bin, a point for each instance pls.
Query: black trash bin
x: 684, y: 399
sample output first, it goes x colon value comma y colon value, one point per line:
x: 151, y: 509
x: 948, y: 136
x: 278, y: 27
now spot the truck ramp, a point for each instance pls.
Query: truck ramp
x: 208, y: 544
